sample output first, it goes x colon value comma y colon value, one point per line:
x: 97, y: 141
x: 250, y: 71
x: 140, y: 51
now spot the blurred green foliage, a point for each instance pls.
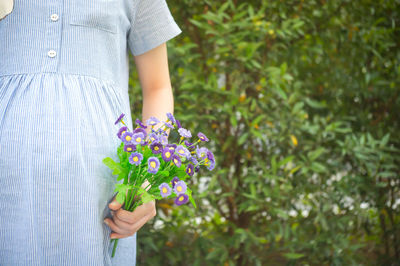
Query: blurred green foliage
x: 300, y: 100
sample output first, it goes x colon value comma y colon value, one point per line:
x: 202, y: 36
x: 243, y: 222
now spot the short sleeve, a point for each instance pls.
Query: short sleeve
x: 151, y: 25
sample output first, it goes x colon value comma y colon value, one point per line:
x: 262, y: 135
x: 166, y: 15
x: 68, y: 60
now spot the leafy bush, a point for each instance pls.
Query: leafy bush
x: 300, y: 99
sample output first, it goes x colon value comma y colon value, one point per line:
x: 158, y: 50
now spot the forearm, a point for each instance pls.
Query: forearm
x: 157, y: 102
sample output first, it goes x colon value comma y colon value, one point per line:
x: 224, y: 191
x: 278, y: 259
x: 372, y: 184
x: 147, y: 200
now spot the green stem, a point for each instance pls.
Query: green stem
x: 136, y: 204
x: 166, y: 169
x: 131, y: 199
x: 115, y: 246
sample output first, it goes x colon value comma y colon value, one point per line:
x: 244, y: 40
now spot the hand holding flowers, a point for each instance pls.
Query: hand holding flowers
x: 126, y: 223
x: 149, y: 157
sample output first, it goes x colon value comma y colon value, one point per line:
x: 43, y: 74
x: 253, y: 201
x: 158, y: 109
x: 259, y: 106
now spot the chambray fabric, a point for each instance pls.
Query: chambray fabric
x: 57, y: 113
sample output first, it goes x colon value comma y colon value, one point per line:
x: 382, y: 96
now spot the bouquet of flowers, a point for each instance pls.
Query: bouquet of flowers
x: 164, y: 165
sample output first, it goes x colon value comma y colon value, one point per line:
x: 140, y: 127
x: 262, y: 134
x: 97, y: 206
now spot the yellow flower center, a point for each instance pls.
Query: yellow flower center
x: 156, y: 148
x: 176, y: 161
x: 129, y: 149
x: 123, y: 132
x: 152, y: 138
x: 206, y: 160
x: 135, y: 158
x: 182, y: 151
x: 164, y: 190
x: 128, y: 138
x: 189, y: 170
x: 167, y: 154
x: 179, y: 188
x: 138, y: 139
x: 181, y: 198
x: 153, y: 164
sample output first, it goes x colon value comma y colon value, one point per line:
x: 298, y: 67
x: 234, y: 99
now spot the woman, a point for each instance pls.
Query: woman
x: 63, y: 82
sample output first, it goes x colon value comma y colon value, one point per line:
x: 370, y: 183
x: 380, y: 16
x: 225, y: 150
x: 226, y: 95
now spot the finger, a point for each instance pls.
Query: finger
x: 122, y: 224
x: 114, y: 205
x: 115, y: 228
x: 126, y: 216
x: 140, y: 223
x: 149, y: 208
x: 115, y: 235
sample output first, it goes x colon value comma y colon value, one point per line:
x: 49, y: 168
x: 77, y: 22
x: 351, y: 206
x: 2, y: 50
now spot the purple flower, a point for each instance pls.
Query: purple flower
x: 138, y: 138
x: 154, y: 137
x: 178, y: 124
x: 168, y: 125
x: 202, y: 137
x: 171, y: 147
x: 119, y: 118
x: 184, y: 132
x: 136, y: 158
x: 201, y: 152
x: 156, y: 147
x: 165, y: 190
x: 127, y: 137
x: 210, y: 156
x: 129, y: 147
x: 137, y: 130
x: 181, y: 199
x: 139, y: 123
x: 153, y: 164
x: 189, y: 169
x: 176, y: 160
x: 121, y: 131
x: 164, y: 140
x: 180, y: 187
x: 210, y: 165
x: 193, y: 160
x: 189, y: 145
x: 152, y: 121
x: 167, y: 154
x: 171, y: 117
x: 182, y: 151
x: 174, y: 181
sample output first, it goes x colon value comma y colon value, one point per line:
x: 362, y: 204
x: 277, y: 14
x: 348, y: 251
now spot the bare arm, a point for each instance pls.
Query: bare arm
x: 153, y: 71
x: 154, y: 78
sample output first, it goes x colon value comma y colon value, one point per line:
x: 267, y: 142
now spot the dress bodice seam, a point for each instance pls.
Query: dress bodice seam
x: 61, y: 73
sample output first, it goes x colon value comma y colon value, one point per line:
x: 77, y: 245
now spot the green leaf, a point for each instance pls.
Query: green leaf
x: 243, y: 138
x: 109, y: 162
x: 164, y: 173
x: 315, y: 104
x: 293, y: 256
x: 144, y: 195
x: 189, y: 193
x: 123, y: 174
x: 116, y: 167
x: 120, y: 197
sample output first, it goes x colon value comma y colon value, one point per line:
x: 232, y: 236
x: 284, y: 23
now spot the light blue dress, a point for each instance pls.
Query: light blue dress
x: 63, y: 83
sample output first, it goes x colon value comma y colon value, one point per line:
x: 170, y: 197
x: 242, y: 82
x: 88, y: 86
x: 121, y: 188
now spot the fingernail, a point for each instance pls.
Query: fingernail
x: 106, y: 222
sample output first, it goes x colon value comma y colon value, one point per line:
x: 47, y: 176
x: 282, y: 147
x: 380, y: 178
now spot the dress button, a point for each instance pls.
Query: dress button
x: 54, y: 17
x: 51, y: 53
